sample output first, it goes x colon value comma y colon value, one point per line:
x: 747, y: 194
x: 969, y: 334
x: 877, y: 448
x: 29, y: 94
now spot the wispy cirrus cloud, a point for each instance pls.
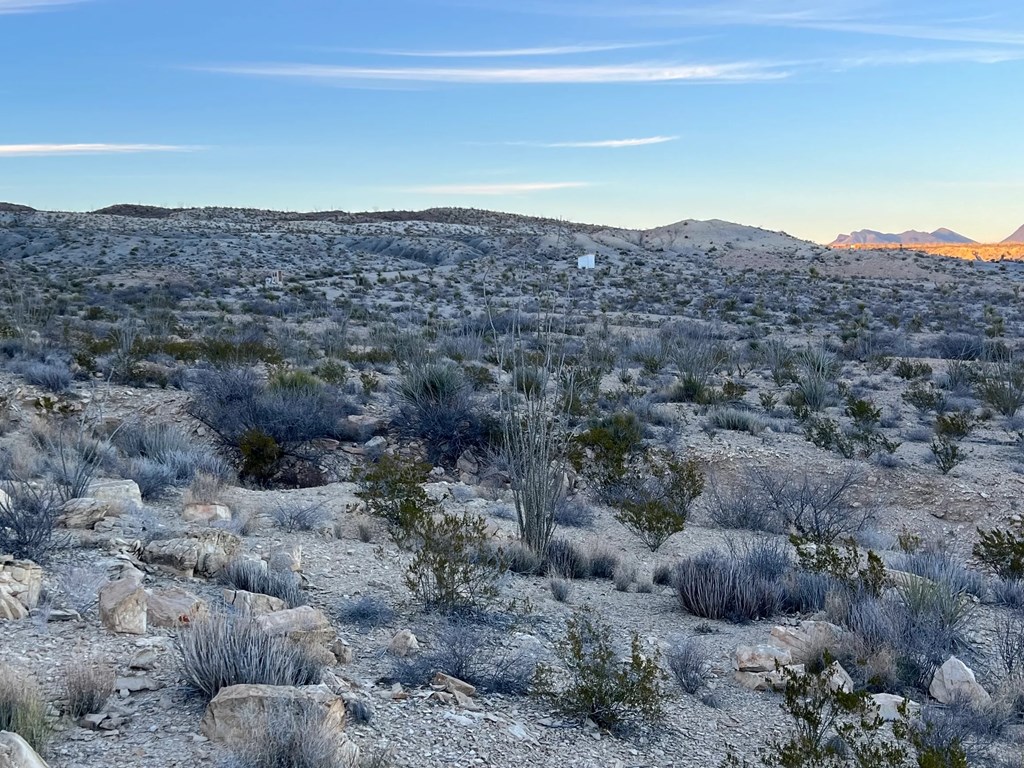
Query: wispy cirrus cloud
x: 29, y: 6
x: 496, y: 189
x: 43, y: 150
x: 601, y: 144
x: 498, y: 53
x: 731, y: 72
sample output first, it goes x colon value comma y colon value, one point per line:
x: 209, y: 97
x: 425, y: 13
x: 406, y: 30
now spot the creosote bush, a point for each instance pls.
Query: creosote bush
x: 615, y: 695
x: 655, y: 503
x: 28, y: 519
x: 221, y: 650
x: 1002, y: 551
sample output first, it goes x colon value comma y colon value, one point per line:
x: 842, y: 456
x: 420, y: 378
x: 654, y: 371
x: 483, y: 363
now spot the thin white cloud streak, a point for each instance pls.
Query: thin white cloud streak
x: 496, y: 189
x: 843, y: 17
x: 603, y: 144
x: 32, y: 6
x: 497, y: 53
x: 734, y: 72
x: 955, y: 56
x: 44, y: 150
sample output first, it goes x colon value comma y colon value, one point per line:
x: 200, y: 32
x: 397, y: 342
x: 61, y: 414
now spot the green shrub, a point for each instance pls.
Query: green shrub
x: 393, y: 491
x: 455, y: 567
x: 948, y: 453
x: 842, y: 565
x: 614, y: 695
x: 23, y: 708
x: 613, y: 442
x: 924, y: 397
x: 912, y: 369
x: 1002, y: 550
x: 655, y: 503
x: 260, y: 455
x: 954, y: 426
x: 1001, y: 386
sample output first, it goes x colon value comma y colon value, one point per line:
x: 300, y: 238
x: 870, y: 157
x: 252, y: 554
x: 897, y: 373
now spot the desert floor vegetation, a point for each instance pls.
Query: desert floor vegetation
x: 441, y: 498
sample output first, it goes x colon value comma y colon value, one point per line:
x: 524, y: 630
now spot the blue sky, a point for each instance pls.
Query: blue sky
x: 812, y: 117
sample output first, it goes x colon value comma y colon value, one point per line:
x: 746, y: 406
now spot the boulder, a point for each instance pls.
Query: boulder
x: 403, y: 643
x: 760, y: 658
x: 253, y: 603
x: 16, y: 753
x: 11, y: 609
x: 775, y: 680
x: 85, y: 513
x: 198, y: 553
x: 22, y: 581
x: 236, y: 711
x: 173, y: 607
x: 453, y: 684
x: 286, y: 559
x: 954, y: 681
x: 806, y: 641
x: 838, y: 678
x: 123, y: 605
x: 889, y: 705
x: 206, y: 513
x: 125, y: 492
x: 305, y: 625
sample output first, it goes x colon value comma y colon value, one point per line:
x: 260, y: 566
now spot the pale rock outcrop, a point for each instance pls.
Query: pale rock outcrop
x: 21, y: 582
x: 889, y: 705
x: 206, y: 513
x: 233, y: 714
x: 955, y: 680
x: 173, y: 607
x: 123, y: 604
x: 760, y: 658
x: 807, y: 640
x: 197, y: 553
x: 16, y: 753
x: 253, y: 603
x: 403, y: 643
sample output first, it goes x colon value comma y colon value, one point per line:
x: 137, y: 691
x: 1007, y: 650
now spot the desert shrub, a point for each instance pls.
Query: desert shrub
x: 88, y: 686
x: 437, y: 407
x: 924, y: 397
x: 159, y: 456
x: 830, y: 729
x: 737, y: 420
x: 74, y: 453
x: 472, y: 653
x: 1009, y: 644
x: 655, y: 504
x: 614, y: 695
x: 221, y: 650
x: 267, y: 422
x: 1002, y: 550
x: 299, y: 515
x: 455, y: 566
x: 367, y: 612
x: 393, y: 491
x: 613, y: 443
x: 28, y: 519
x: 567, y: 559
x: 23, y: 708
x: 254, y: 576
x: 650, y: 352
x: 820, y: 508
x: 939, y: 566
x: 52, y: 376
x: 743, y: 507
x: 779, y: 359
x: 77, y: 587
x: 908, y: 369
x: 1001, y: 386
x: 688, y: 661
x: 561, y: 589
x: 722, y: 587
x: 1008, y: 592
x: 574, y: 513
x: 624, y: 576
x: 947, y: 454
x: 960, y: 346
x: 663, y: 574
x: 958, y: 734
x: 522, y: 560
x: 954, y: 426
x: 843, y: 564
x: 603, y: 561
x: 289, y: 737
x: 813, y: 392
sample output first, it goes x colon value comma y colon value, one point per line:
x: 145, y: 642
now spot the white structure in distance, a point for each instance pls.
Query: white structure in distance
x: 586, y: 262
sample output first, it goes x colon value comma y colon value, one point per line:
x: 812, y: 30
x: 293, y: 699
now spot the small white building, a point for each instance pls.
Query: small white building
x: 586, y: 262
x: 274, y: 280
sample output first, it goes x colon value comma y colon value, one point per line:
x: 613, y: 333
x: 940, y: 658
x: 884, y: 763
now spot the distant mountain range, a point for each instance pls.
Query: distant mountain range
x: 941, y: 236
